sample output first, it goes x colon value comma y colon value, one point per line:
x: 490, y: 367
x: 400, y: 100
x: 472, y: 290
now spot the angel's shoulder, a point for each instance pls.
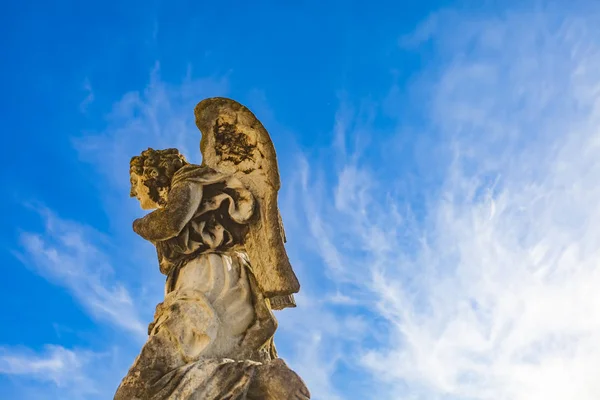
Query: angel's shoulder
x: 191, y: 173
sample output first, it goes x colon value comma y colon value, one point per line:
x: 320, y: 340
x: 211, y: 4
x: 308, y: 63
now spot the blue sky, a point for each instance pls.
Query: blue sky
x: 440, y: 165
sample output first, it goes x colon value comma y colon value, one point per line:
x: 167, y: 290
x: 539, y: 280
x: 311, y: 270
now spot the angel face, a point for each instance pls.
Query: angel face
x: 141, y: 191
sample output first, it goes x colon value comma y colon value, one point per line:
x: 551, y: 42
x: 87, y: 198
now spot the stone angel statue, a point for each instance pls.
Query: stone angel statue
x: 220, y: 242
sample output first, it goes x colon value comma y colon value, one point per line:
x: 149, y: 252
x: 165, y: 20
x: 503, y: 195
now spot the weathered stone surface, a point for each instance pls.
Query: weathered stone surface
x: 235, y: 142
x: 219, y: 240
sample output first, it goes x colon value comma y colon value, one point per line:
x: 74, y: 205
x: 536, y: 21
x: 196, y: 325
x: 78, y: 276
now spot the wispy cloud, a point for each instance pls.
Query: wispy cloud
x: 67, y: 254
x: 76, y: 256
x: 82, y: 260
x: 317, y: 340
x: 160, y: 116
x: 54, y: 364
x: 89, y: 97
x: 487, y: 287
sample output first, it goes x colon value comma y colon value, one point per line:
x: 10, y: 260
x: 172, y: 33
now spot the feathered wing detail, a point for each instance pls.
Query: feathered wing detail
x: 235, y: 142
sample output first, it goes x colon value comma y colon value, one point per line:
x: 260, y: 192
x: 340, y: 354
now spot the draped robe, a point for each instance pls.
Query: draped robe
x: 192, y: 352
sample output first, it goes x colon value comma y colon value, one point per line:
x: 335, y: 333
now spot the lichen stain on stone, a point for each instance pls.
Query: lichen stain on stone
x: 231, y: 144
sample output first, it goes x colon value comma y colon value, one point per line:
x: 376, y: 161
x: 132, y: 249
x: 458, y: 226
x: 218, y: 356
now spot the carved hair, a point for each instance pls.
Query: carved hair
x: 157, y: 168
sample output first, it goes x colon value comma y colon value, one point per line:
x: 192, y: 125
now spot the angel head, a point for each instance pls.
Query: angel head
x: 151, y: 174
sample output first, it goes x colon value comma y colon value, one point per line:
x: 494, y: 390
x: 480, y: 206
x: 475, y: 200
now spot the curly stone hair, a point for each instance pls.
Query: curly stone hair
x: 157, y: 167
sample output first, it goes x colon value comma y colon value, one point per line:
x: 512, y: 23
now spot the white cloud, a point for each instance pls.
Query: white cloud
x: 160, y: 116
x: 67, y: 254
x: 89, y: 98
x: 315, y: 363
x: 76, y: 256
x: 79, y: 258
x: 489, y: 292
x: 55, y: 364
x: 315, y: 340
x: 102, y: 270
x: 57, y: 372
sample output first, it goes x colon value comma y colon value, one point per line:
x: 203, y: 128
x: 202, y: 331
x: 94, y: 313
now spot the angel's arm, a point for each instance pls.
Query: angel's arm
x: 167, y: 222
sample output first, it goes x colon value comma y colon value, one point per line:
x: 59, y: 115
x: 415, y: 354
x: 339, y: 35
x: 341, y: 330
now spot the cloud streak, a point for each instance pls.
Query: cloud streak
x: 487, y: 292
x: 89, y: 98
x: 67, y: 254
x: 55, y: 364
x: 160, y: 116
x: 82, y: 260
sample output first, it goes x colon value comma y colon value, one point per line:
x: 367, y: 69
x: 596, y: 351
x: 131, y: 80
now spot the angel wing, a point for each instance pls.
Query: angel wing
x: 235, y: 142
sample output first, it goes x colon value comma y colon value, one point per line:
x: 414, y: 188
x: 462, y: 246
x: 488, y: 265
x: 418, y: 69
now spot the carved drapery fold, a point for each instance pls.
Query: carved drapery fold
x: 218, y: 224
